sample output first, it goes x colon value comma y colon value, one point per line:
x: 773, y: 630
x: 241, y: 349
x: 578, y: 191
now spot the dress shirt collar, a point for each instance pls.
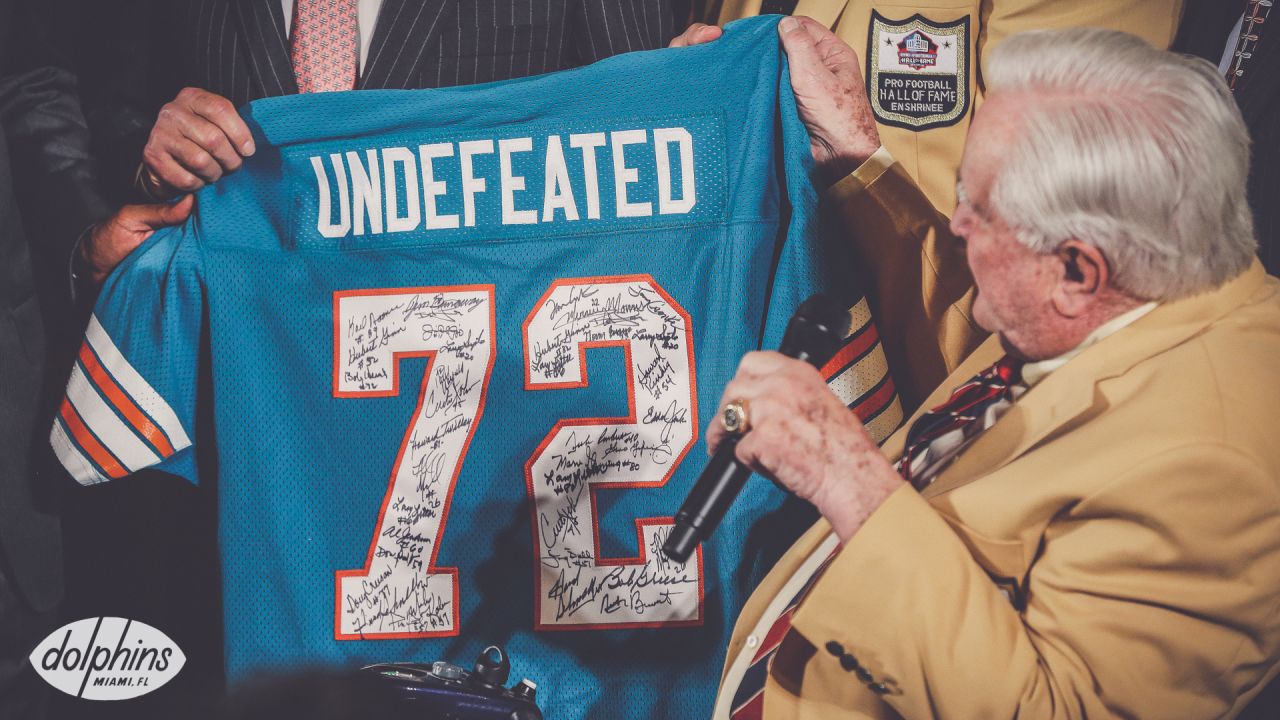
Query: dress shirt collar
x: 1034, y: 372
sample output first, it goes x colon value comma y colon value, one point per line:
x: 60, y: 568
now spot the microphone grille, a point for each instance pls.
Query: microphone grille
x: 825, y: 315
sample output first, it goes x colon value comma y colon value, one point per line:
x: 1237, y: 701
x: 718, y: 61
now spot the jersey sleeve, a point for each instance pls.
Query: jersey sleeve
x: 814, y: 259
x: 130, y: 400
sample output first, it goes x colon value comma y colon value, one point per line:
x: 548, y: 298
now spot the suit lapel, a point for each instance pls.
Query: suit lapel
x: 404, y: 31
x: 261, y: 23
x: 1060, y: 398
x: 982, y: 357
x: 1205, y: 26
x: 1068, y: 392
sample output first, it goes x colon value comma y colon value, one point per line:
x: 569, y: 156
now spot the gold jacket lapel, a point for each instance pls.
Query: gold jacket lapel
x: 986, y: 354
x: 772, y: 584
x: 1068, y: 392
x: 1059, y: 399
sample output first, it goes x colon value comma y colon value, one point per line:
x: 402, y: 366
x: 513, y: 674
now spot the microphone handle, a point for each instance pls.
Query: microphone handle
x: 812, y: 335
x: 730, y: 476
x: 708, y: 502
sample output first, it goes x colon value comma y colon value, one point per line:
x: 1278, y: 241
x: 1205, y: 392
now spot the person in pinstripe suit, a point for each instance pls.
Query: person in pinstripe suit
x: 236, y: 51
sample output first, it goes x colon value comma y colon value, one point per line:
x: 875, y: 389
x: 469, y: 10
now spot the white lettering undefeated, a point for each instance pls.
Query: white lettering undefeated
x: 366, y: 185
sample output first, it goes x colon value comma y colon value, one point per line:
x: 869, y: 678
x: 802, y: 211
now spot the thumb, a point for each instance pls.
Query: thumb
x: 175, y: 213
x: 165, y: 214
x: 801, y: 48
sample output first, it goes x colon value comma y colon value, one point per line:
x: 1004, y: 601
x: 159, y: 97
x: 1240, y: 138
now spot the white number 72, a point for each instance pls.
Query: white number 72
x: 401, y: 592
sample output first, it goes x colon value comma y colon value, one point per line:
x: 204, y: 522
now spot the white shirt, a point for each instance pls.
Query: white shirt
x: 1033, y: 373
x: 366, y: 20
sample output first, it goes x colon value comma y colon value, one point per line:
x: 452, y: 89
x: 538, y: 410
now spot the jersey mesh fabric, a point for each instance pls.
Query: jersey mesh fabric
x: 244, y: 294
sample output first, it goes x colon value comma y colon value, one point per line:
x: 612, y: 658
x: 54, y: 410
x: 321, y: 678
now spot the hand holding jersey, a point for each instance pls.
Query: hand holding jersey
x: 830, y: 95
x: 110, y: 241
x: 696, y: 34
x: 830, y: 92
x: 198, y: 137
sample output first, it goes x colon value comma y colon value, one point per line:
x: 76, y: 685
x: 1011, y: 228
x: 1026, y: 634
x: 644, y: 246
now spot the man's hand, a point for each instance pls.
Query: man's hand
x: 803, y: 437
x: 696, y: 34
x: 826, y: 77
x: 113, y: 239
x: 831, y: 96
x: 197, y: 138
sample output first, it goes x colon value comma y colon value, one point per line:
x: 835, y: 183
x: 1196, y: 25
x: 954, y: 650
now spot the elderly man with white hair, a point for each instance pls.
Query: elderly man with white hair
x: 1084, y: 519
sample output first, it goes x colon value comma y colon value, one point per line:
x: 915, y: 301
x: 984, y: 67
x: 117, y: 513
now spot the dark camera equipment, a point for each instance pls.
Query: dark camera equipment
x: 444, y: 691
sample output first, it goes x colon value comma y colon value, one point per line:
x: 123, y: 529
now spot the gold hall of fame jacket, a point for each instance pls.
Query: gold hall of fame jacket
x: 923, y: 64
x: 1109, y: 548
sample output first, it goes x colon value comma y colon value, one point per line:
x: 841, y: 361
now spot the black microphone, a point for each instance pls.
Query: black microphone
x: 814, y: 334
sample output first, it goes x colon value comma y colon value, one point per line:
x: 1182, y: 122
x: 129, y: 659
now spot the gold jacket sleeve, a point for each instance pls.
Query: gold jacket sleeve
x: 1099, y: 636
x: 918, y: 284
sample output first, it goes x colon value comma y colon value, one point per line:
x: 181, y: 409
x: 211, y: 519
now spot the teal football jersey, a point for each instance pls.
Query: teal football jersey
x: 452, y: 353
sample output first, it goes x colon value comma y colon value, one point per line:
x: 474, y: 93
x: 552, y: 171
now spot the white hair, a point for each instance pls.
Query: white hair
x: 1139, y: 152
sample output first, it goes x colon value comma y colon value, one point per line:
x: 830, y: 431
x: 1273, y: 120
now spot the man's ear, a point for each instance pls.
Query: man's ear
x: 1084, y: 277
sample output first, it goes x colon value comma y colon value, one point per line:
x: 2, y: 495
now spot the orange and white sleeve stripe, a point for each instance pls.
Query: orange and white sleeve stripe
x: 859, y: 375
x: 112, y: 422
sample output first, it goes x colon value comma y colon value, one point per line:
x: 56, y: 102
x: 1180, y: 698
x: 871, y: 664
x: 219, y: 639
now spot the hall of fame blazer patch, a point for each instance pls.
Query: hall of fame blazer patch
x: 918, y: 71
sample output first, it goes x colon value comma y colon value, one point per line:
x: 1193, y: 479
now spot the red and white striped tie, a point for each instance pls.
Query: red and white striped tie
x: 965, y: 411
x: 325, y: 48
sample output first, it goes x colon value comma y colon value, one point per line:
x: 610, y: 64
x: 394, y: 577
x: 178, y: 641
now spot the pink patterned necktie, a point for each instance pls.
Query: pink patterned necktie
x: 325, y: 45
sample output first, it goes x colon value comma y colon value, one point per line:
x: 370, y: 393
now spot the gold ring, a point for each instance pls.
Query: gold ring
x: 735, y: 418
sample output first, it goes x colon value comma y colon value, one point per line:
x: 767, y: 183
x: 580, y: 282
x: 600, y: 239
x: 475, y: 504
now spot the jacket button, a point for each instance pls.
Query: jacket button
x: 835, y: 648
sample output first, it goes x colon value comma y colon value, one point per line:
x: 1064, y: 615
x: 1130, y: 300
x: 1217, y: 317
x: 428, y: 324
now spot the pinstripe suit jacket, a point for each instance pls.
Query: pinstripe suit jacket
x: 240, y: 49
x: 134, y: 57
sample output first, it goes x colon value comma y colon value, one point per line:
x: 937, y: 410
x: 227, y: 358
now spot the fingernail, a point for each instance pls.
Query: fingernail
x: 788, y: 24
x: 247, y: 147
